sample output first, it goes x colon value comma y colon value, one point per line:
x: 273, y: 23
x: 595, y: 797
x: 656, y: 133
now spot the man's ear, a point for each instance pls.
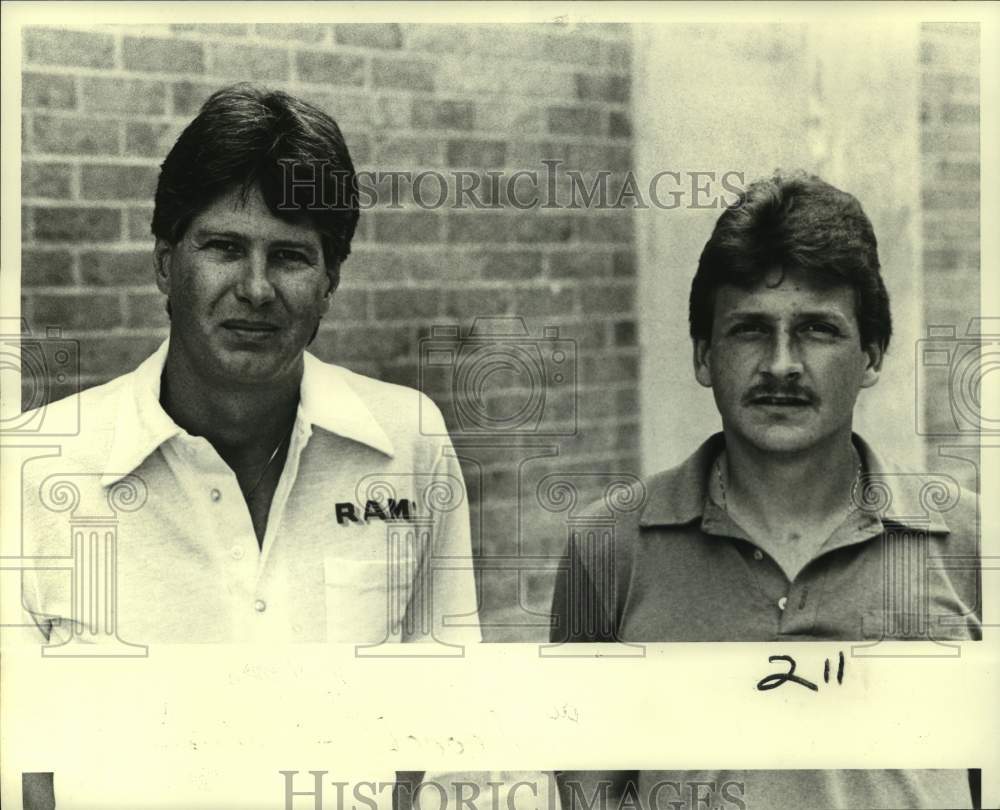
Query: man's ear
x: 702, y: 362
x: 333, y: 279
x: 874, y: 368
x: 161, y: 264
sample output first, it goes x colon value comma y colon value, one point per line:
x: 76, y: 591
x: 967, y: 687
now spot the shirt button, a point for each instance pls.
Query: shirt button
x: 758, y: 554
x: 782, y: 602
x: 260, y: 605
x: 216, y: 495
x: 237, y: 552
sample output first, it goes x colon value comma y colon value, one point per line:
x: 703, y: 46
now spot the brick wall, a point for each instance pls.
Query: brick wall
x: 950, y: 147
x: 101, y: 107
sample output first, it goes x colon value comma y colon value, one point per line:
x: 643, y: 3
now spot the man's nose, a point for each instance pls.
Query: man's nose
x: 783, y: 360
x: 254, y: 284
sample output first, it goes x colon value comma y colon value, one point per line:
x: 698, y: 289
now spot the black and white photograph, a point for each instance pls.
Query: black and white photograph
x: 377, y: 367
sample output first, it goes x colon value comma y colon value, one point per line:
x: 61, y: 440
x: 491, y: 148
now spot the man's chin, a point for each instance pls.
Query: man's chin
x: 782, y: 439
x: 243, y: 367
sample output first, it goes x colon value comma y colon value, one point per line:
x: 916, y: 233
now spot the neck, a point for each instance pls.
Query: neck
x: 791, y: 488
x: 236, y: 420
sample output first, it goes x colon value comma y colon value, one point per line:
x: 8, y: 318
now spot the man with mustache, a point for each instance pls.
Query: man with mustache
x: 786, y: 525
x: 776, y: 528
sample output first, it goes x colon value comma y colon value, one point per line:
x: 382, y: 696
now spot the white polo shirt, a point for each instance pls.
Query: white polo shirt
x: 145, y: 533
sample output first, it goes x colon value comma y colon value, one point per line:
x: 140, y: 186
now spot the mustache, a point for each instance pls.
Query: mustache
x: 784, y: 390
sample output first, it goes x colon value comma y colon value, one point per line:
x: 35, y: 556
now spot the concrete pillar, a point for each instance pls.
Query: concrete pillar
x: 840, y: 101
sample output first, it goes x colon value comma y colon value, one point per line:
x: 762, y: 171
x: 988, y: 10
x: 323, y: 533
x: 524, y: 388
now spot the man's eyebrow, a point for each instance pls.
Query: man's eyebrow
x: 204, y: 233
x: 819, y: 314
x: 305, y: 245
x: 302, y: 245
x: 809, y: 314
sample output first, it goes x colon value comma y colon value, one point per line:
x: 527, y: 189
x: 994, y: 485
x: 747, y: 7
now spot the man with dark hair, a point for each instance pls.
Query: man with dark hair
x: 774, y: 528
x: 786, y: 525
x: 258, y: 494
x: 272, y: 483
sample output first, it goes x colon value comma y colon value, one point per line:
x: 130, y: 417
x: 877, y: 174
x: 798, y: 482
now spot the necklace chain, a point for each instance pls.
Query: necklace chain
x: 267, y: 465
x: 850, y: 502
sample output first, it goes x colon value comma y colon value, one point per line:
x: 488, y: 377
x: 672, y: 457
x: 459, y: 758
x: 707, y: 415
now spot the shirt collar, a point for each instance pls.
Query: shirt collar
x: 326, y: 400
x: 678, y: 496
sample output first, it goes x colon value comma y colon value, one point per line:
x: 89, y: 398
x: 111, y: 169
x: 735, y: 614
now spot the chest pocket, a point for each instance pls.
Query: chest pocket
x: 369, y: 600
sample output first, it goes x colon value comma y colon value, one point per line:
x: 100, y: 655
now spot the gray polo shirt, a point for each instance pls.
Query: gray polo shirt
x: 832, y: 789
x: 904, y: 565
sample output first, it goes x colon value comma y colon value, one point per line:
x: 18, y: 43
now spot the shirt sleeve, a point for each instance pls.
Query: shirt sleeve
x: 583, y: 600
x: 445, y: 586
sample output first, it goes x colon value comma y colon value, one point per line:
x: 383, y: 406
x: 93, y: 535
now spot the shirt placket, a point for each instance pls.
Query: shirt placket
x: 232, y: 541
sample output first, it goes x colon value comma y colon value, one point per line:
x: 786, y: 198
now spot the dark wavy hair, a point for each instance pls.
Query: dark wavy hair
x: 802, y: 223
x: 245, y: 136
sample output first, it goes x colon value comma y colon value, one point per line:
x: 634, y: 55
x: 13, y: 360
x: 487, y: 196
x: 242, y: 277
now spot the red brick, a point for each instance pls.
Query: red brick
x: 124, y: 95
x: 404, y: 74
x: 81, y: 136
x: 320, y: 67
x: 163, y: 55
x: 249, y: 62
x: 384, y: 36
x: 575, y: 121
x: 76, y: 224
x: 43, y: 90
x: 77, y: 311
x: 46, y: 268
x: 53, y: 180
x: 106, y: 182
x: 117, y: 268
x: 50, y: 46
x: 407, y: 227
